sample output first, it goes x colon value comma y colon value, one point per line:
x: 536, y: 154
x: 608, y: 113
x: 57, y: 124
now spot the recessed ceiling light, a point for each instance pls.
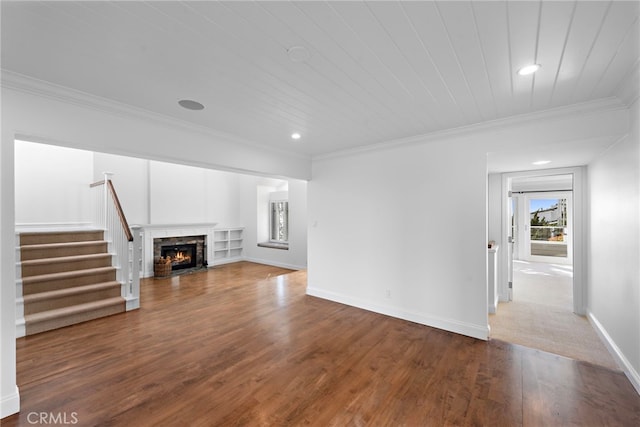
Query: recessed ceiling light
x: 529, y: 69
x: 298, y: 53
x: 190, y: 105
x: 296, y: 136
x: 542, y: 162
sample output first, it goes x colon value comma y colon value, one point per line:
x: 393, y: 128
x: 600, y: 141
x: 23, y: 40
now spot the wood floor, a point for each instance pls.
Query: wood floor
x: 243, y: 345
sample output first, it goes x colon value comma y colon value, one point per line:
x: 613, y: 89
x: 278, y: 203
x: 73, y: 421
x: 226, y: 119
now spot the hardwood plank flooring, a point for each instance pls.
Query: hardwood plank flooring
x: 243, y: 344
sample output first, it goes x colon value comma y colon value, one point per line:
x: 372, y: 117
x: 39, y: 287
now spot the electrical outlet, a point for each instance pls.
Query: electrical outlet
x: 388, y: 293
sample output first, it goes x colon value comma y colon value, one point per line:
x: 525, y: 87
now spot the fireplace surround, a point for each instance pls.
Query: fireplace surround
x: 185, y: 252
x: 181, y: 255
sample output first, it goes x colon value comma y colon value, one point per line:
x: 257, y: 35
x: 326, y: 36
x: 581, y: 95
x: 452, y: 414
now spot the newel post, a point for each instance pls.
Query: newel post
x: 105, y: 199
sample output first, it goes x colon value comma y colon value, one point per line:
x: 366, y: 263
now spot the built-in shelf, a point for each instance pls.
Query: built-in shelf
x: 227, y: 244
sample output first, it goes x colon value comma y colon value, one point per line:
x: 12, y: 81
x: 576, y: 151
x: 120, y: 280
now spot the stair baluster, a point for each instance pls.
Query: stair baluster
x: 124, y: 244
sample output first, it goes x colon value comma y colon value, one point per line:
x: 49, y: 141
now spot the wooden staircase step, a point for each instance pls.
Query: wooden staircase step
x: 60, y: 298
x: 61, y: 317
x: 51, y: 250
x: 35, y: 238
x: 67, y: 279
x: 41, y: 266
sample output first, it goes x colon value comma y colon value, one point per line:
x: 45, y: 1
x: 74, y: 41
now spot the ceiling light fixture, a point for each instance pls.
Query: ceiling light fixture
x: 529, y: 69
x: 296, y: 136
x: 542, y: 162
x: 190, y: 105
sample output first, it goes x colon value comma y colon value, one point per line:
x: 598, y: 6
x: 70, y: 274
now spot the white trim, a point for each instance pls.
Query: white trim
x: 19, y: 304
x: 275, y: 263
x: 223, y: 261
x: 21, y: 328
x: 132, y: 303
x: 628, y: 89
x: 475, y: 331
x: 580, y: 212
x: 615, y: 351
x: 492, y: 278
x: 606, y: 104
x: 10, y: 404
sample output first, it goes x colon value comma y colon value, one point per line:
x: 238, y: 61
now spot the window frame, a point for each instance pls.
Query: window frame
x: 272, y: 210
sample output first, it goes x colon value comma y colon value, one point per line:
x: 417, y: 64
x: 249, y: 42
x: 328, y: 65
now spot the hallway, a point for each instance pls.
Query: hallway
x: 540, y: 315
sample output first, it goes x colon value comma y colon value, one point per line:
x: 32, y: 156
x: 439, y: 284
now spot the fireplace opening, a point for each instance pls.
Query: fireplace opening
x: 182, y: 256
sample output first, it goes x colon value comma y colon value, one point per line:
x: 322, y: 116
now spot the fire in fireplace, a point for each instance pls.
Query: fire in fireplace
x: 181, y: 256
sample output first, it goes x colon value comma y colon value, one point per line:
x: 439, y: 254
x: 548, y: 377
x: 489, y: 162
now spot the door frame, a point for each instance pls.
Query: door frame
x: 579, y: 232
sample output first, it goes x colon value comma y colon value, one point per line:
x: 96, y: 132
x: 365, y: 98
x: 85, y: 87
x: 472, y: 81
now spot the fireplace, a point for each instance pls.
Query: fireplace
x: 181, y: 256
x: 186, y: 253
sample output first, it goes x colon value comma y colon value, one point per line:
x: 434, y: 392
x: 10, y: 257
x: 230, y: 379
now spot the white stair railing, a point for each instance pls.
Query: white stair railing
x: 124, y: 244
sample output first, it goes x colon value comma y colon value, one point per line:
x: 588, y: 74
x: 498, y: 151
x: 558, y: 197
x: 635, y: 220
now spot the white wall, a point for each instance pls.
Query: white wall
x: 9, y: 393
x: 131, y: 181
x: 403, y: 232
x: 614, y: 247
x: 401, y: 229
x: 177, y: 194
x: 52, y: 184
x: 222, y: 203
x: 52, y: 187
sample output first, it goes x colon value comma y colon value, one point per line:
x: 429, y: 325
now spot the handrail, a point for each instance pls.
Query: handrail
x: 124, y: 242
x: 116, y: 201
x: 123, y: 219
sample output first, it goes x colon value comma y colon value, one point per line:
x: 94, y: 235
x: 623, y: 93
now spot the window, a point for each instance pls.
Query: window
x: 279, y: 221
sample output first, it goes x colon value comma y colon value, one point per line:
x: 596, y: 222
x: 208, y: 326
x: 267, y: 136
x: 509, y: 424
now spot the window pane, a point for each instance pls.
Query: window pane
x: 279, y: 221
x: 548, y: 227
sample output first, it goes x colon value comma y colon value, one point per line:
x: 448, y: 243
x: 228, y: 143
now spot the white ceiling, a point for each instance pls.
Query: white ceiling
x: 377, y: 71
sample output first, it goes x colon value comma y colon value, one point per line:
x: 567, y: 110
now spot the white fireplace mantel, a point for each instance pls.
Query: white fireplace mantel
x: 157, y: 231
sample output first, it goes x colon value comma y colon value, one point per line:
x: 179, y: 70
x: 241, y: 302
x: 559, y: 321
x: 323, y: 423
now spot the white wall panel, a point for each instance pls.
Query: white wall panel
x: 614, y: 247
x: 405, y: 235
x: 131, y: 181
x: 52, y: 184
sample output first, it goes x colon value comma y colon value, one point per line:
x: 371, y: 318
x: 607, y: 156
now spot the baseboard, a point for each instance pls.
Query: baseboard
x: 223, y: 261
x: 132, y: 303
x: 468, y: 329
x: 493, y: 308
x: 275, y: 263
x: 615, y: 351
x: 10, y: 404
x: 21, y: 327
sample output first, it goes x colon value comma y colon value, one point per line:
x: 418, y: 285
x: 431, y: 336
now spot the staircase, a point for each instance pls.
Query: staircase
x: 67, y: 278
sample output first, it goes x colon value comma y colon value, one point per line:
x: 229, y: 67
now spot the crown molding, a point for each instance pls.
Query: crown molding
x: 628, y: 90
x: 597, y: 106
x: 32, y: 86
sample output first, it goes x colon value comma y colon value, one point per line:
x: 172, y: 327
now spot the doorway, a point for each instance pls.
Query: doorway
x: 542, y: 240
x: 541, y: 290
x: 540, y: 227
